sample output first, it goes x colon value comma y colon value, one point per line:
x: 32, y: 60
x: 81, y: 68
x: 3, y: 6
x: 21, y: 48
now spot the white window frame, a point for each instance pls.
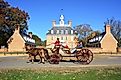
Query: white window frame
x: 62, y: 31
x: 52, y: 32
x: 57, y: 31
x: 66, y: 31
x: 72, y: 31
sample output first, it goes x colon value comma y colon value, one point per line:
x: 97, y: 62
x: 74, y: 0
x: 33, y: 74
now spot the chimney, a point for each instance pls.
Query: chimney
x: 30, y: 34
x: 70, y: 23
x: 17, y: 28
x: 108, y: 28
x: 53, y: 23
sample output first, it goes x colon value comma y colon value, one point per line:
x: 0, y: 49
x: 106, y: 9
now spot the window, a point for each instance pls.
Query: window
x: 62, y: 32
x: 71, y: 31
x: 57, y: 31
x: 52, y: 32
x: 66, y: 32
x: 66, y: 38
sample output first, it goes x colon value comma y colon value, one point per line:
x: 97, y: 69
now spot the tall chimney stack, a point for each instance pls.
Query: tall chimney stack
x: 108, y: 28
x: 53, y: 23
x: 70, y: 23
x: 17, y: 28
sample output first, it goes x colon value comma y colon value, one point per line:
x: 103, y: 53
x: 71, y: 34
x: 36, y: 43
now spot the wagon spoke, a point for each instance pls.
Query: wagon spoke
x: 85, y: 56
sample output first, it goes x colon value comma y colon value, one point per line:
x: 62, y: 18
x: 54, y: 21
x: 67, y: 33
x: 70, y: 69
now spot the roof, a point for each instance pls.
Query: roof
x: 58, y: 30
x: 28, y: 39
x: 97, y: 38
x: 111, y: 37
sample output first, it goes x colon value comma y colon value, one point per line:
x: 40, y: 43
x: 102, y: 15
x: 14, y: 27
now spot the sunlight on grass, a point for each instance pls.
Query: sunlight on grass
x: 87, y: 74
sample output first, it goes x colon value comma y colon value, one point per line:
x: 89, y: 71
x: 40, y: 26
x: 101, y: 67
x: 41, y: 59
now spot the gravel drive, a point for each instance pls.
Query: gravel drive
x: 19, y: 62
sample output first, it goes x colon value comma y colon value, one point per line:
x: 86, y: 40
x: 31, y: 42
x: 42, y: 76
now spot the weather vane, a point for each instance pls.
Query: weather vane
x: 61, y: 11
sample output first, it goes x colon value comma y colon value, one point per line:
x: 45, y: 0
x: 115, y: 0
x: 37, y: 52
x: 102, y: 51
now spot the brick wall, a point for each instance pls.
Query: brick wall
x: 95, y: 50
x: 119, y: 49
x: 3, y: 50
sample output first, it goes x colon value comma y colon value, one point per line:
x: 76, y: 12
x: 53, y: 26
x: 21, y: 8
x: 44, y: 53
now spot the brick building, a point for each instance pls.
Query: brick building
x: 105, y: 42
x: 62, y: 31
x: 20, y: 42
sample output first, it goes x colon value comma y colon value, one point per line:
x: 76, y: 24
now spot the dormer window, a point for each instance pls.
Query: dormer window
x: 62, y: 31
x: 52, y: 32
x: 57, y: 31
x: 71, y: 31
x: 66, y: 31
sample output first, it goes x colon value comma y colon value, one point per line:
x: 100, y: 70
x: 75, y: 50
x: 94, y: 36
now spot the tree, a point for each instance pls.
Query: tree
x: 9, y: 18
x: 93, y: 34
x: 83, y: 30
x: 43, y: 43
x: 115, y: 28
x: 37, y: 40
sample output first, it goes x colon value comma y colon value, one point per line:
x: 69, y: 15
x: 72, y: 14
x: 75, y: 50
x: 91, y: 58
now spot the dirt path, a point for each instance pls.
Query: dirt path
x: 19, y: 62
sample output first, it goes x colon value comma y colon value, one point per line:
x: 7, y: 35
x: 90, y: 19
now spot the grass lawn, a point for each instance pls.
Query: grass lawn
x: 112, y: 73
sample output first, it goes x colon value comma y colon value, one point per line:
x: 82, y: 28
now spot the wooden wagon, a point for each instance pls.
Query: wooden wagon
x: 82, y: 55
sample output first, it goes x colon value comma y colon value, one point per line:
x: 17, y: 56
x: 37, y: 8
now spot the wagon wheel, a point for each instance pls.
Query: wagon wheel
x: 55, y: 58
x: 84, y: 56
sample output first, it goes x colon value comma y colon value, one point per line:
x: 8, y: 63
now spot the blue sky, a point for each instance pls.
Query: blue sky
x: 42, y: 12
